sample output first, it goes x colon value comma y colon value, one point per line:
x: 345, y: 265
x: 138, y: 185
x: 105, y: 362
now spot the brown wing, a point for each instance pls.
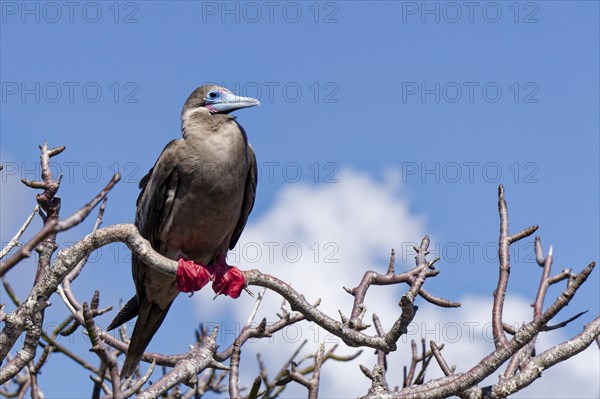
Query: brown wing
x: 154, y: 205
x: 149, y: 220
x: 249, y: 195
x: 158, y: 189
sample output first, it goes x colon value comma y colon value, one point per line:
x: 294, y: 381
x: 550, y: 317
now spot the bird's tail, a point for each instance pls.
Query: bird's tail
x: 127, y: 312
x: 149, y: 320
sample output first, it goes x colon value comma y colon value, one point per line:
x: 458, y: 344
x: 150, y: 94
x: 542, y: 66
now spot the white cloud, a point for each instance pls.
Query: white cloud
x: 320, y: 238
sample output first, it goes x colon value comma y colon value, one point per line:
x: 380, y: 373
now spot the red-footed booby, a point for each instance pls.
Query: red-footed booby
x: 193, y: 206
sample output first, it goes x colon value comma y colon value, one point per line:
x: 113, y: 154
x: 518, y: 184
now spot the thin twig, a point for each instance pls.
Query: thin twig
x: 439, y: 358
x: 15, y: 240
x: 257, y: 303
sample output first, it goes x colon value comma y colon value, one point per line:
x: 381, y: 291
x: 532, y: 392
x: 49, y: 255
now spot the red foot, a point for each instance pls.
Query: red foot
x: 190, y: 276
x: 227, y: 280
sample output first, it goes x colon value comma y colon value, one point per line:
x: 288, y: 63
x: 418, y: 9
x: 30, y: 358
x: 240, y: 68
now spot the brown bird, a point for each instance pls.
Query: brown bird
x: 194, y: 204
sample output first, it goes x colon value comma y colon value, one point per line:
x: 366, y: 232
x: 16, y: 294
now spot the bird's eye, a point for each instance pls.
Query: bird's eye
x: 213, y: 94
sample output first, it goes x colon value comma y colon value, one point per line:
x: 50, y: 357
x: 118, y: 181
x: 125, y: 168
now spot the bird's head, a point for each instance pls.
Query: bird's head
x: 217, y: 99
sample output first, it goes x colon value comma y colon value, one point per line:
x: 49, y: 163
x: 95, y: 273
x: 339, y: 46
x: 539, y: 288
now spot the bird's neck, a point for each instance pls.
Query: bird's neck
x: 201, y: 123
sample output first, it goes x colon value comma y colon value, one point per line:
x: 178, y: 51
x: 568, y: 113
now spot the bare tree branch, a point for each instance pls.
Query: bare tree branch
x: 436, y: 350
x: 504, y: 256
x: 202, y: 367
x: 57, y: 227
x: 98, y: 347
x: 520, y: 347
x: 547, y: 359
x: 198, y: 359
x: 311, y: 384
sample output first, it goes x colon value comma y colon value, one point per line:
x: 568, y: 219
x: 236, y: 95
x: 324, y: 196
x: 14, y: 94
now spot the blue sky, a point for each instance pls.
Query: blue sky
x: 433, y: 103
